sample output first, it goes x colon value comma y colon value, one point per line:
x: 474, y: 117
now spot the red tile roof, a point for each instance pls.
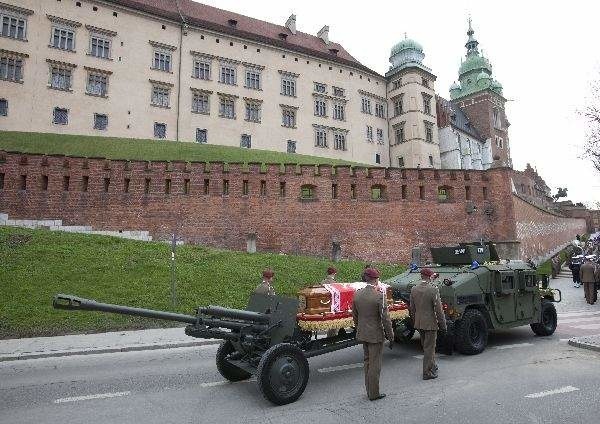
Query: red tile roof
x: 212, y: 18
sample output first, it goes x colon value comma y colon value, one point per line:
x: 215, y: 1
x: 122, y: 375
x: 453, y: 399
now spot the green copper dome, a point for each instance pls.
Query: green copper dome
x: 483, y: 76
x: 406, y: 44
x: 475, y: 62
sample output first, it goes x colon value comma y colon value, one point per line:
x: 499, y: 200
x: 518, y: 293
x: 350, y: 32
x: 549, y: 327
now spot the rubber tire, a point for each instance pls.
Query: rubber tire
x: 405, y: 336
x: 227, y: 370
x: 549, y: 314
x: 265, y: 366
x: 462, y: 333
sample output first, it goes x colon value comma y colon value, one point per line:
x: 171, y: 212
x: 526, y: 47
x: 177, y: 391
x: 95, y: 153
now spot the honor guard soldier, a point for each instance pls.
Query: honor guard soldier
x: 588, y: 274
x: 428, y: 316
x: 331, y: 273
x: 373, y: 325
x: 266, y: 287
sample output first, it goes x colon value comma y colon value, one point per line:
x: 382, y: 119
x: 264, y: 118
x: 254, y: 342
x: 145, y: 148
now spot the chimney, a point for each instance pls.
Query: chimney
x: 291, y: 24
x: 323, y: 34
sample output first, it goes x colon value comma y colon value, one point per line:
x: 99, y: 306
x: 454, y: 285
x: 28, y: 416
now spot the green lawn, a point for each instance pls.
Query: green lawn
x: 37, y: 264
x: 125, y: 148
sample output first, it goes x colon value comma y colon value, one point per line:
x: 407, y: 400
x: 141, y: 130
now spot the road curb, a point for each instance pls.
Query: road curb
x: 95, y: 351
x: 583, y: 344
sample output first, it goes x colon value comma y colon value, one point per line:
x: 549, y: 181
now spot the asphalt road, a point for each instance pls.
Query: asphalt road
x: 520, y: 378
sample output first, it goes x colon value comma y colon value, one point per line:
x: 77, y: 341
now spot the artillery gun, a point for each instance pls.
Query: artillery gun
x: 479, y: 293
x: 263, y: 341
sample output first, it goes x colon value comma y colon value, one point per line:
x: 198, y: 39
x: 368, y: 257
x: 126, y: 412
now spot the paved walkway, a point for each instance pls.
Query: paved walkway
x: 85, y: 344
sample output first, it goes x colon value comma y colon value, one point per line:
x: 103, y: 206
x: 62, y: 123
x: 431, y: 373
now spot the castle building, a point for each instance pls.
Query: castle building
x: 184, y: 71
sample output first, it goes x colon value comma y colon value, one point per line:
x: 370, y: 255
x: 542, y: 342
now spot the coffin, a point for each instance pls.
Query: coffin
x: 329, y: 306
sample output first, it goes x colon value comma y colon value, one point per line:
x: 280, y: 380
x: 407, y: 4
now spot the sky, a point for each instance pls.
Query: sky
x: 545, y: 54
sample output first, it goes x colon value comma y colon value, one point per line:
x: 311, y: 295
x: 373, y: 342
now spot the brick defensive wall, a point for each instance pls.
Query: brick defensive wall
x: 375, y: 214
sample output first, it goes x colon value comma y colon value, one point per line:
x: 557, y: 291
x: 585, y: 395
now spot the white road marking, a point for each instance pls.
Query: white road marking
x: 578, y: 314
x: 439, y: 355
x: 575, y: 320
x: 511, y: 346
x: 566, y: 389
x: 225, y: 382
x: 587, y: 327
x: 341, y: 367
x: 88, y: 397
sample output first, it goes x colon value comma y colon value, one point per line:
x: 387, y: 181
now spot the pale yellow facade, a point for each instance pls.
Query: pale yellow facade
x: 127, y: 104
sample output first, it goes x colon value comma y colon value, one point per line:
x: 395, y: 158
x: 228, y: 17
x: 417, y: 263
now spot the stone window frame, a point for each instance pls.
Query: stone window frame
x: 164, y: 50
x: 256, y: 70
x: 224, y: 100
x: 202, y: 131
x: 96, y: 116
x: 379, y: 110
x: 196, y: 94
x: 369, y: 133
x: 68, y: 68
x: 253, y: 106
x: 289, y: 144
x: 246, y: 141
x: 319, y: 87
x: 380, y: 136
x: 400, y: 126
x: 366, y: 106
x: 427, y: 98
x: 98, y: 73
x: 340, y: 140
x: 66, y: 26
x: 11, y: 12
x: 3, y: 106
x: 398, y: 104
x: 320, y: 108
x: 339, y: 111
x: 428, y: 132
x: 18, y: 60
x: 101, y: 34
x: 204, y: 59
x: 158, y: 125
x: 292, y: 112
x: 338, y: 91
x: 289, y: 83
x: 227, y: 78
x: 55, y: 110
x: 320, y: 136
x: 160, y: 87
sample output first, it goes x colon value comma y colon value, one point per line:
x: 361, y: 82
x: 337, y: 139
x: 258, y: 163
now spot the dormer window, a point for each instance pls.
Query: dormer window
x: 283, y: 36
x: 334, y: 51
x: 232, y: 23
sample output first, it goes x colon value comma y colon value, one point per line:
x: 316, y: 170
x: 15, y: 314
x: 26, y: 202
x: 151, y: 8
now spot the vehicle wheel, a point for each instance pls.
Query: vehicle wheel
x: 403, y: 331
x: 471, y: 333
x: 282, y: 374
x: 549, y: 320
x: 225, y: 368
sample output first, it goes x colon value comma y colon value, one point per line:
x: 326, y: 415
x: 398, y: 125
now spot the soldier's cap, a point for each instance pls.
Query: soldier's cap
x: 331, y: 270
x: 372, y: 273
x: 426, y: 272
x: 268, y: 273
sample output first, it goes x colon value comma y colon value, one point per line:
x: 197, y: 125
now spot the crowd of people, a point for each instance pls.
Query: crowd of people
x: 584, y: 263
x: 373, y: 325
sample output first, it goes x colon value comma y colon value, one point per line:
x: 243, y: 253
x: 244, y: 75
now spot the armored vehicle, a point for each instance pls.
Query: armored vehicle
x: 479, y: 293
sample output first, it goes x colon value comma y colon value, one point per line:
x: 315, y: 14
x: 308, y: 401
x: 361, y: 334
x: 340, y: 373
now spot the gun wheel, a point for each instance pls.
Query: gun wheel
x: 227, y: 369
x: 282, y: 374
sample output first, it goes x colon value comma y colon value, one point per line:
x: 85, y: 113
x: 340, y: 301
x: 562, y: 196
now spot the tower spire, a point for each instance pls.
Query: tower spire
x: 472, y: 43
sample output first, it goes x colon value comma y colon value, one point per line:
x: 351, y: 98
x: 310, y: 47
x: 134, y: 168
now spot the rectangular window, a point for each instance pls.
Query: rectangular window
x: 338, y: 112
x: 227, y: 108
x: 282, y: 192
x: 320, y: 138
x: 467, y: 193
x: 288, y: 117
x: 167, y: 186
x: 99, y: 47
x: 227, y: 75
x: 160, y: 96
x: 253, y: 79
x: 403, y: 194
x: 160, y: 130
x: 97, y: 84
x: 106, y: 184
x: 60, y: 116
x: 23, y: 185
x: 206, y: 187
x: 162, y: 61
x: 399, y: 131
x: 245, y: 188
x: 12, y: 26
x: 3, y: 107
x: 427, y: 104
x: 291, y: 146
x: 1, y: 181
x: 44, y: 183
x: 288, y: 86
x: 380, y: 139
x: 377, y: 158
x: 339, y: 141
x: 147, y: 186
x: 63, y: 38
x: 485, y: 193
x: 429, y: 132
x: 430, y: 160
x: 85, y: 180
x: 421, y: 192
x: 201, y: 136
x: 66, y: 182
x: 263, y: 188
x: 353, y: 191
x: 369, y: 133
x: 225, y: 187
x: 253, y: 111
x: 400, y: 162
x: 201, y: 70
x: 320, y: 88
x: 126, y: 184
x: 338, y: 92
x: 186, y: 186
x: 200, y: 103
x: 100, y: 121
x: 11, y: 68
x: 398, y: 109
x: 366, y: 106
x: 246, y: 141
x: 320, y: 107
x: 379, y: 110
x: 497, y: 119
x: 60, y: 78
x: 396, y: 84
x: 334, y: 191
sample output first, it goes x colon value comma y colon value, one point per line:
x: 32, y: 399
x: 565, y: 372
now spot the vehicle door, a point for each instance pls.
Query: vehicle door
x: 527, y: 281
x: 503, y: 296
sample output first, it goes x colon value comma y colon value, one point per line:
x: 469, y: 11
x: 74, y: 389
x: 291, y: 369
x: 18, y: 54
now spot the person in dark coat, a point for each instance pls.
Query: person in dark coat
x: 363, y: 276
x: 266, y: 287
x: 574, y: 267
x: 588, y: 274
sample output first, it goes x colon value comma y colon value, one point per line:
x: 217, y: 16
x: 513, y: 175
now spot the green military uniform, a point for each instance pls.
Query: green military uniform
x: 428, y: 316
x: 588, y: 274
x: 264, y: 288
x: 372, y: 323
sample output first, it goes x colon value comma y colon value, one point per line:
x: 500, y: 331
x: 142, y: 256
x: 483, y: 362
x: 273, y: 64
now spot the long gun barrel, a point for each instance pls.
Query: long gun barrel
x: 63, y: 301
x: 238, y: 314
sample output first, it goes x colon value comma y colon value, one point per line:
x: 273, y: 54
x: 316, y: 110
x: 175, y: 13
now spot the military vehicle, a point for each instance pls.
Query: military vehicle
x: 479, y: 293
x: 264, y: 340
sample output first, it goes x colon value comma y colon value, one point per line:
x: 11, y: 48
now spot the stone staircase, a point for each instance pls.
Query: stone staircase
x: 565, y: 272
x: 57, y: 225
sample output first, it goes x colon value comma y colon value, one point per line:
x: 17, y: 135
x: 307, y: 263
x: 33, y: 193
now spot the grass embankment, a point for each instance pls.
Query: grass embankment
x: 36, y: 264
x: 132, y: 149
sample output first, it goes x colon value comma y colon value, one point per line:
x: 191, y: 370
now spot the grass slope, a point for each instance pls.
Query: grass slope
x: 132, y: 149
x: 37, y: 264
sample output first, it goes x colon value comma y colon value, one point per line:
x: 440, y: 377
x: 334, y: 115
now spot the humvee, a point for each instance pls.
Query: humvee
x: 479, y: 293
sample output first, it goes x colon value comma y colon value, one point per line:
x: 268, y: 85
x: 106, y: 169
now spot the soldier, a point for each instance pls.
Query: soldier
x: 574, y: 267
x: 266, y: 287
x: 588, y: 274
x: 363, y: 276
x: 428, y: 316
x: 331, y: 273
x: 372, y: 323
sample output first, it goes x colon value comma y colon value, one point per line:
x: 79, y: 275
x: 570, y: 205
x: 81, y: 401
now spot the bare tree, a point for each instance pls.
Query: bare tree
x: 592, y: 115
